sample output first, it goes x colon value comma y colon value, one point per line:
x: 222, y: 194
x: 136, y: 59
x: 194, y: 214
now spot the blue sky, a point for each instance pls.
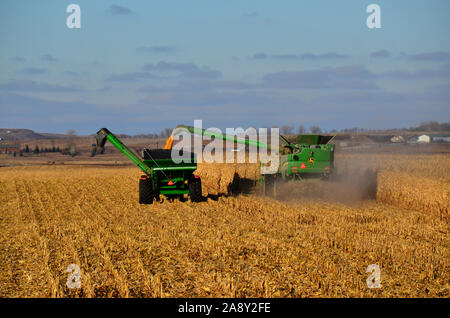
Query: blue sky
x: 140, y: 66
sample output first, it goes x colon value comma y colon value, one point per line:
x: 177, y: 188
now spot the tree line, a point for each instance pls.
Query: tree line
x: 430, y: 126
x: 42, y: 149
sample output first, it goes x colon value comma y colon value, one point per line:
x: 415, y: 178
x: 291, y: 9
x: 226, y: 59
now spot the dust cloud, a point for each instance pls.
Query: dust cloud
x: 348, y: 186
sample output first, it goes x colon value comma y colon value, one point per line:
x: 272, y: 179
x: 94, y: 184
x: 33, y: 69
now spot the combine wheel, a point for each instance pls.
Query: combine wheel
x: 146, y: 192
x: 195, y: 189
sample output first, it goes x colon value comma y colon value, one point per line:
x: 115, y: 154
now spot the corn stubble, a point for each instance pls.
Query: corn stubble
x: 227, y: 246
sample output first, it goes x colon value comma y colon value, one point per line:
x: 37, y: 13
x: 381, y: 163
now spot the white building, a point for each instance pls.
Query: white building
x: 424, y: 139
x: 397, y: 139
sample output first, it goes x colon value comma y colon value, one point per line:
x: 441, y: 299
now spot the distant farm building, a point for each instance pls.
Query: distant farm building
x: 441, y: 138
x: 424, y: 139
x: 396, y: 139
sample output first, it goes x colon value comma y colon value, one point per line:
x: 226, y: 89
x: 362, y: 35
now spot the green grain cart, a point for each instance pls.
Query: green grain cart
x: 161, y: 175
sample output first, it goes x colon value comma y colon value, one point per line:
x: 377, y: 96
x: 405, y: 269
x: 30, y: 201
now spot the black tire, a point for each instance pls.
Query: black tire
x: 195, y: 189
x: 146, y: 192
x: 235, y: 186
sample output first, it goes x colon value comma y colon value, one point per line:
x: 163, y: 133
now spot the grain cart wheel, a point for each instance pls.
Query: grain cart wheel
x: 195, y: 189
x: 235, y: 186
x: 146, y: 192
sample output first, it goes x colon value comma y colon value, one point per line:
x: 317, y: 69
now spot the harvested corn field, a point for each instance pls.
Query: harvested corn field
x: 300, y: 244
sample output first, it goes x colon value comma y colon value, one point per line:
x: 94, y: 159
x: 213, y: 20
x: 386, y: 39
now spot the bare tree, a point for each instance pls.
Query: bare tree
x: 301, y: 129
x: 166, y: 132
x: 315, y: 129
x: 286, y: 130
x: 445, y: 127
x: 71, y: 133
x: 71, y: 147
x: 429, y: 126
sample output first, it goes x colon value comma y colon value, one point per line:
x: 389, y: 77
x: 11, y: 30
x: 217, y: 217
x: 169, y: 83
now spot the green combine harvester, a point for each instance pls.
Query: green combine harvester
x: 311, y: 157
